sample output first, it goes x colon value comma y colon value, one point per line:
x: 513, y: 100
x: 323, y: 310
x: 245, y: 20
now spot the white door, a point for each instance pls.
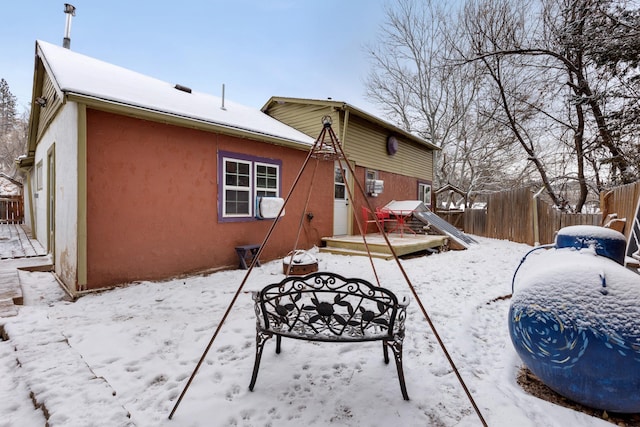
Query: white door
x: 340, y: 201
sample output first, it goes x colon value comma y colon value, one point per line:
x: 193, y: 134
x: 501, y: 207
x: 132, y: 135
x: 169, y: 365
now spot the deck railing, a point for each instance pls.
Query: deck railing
x: 11, y: 210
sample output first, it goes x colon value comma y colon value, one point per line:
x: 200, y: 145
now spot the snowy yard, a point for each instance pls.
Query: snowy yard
x: 145, y: 341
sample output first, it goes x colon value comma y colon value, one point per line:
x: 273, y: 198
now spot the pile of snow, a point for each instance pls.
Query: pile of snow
x: 145, y: 341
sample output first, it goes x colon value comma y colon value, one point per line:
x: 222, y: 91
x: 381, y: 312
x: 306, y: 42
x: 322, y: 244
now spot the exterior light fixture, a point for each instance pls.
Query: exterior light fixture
x: 42, y: 102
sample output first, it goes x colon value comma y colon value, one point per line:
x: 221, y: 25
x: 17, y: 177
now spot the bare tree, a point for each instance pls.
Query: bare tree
x: 13, y: 130
x: 416, y: 84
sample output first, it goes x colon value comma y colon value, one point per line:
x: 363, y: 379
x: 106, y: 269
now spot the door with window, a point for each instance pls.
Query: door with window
x: 340, y: 201
x: 424, y: 193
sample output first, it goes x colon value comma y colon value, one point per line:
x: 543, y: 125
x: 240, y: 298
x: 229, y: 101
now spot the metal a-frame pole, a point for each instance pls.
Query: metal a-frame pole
x: 334, y: 151
x: 315, y: 151
x: 340, y: 155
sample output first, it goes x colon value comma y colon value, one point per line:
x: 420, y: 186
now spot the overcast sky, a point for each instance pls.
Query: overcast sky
x: 258, y: 49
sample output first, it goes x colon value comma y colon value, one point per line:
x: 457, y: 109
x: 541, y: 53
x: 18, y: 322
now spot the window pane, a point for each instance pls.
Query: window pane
x: 263, y: 193
x: 266, y: 180
x: 236, y: 174
x: 339, y: 191
x: 237, y: 202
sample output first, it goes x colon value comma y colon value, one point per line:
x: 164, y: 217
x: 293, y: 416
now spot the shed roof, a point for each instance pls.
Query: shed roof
x: 340, y: 105
x: 75, y: 74
x: 9, y: 186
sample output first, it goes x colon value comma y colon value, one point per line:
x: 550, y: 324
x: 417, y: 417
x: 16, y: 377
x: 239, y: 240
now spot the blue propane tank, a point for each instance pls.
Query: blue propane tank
x: 574, y: 320
x: 606, y: 242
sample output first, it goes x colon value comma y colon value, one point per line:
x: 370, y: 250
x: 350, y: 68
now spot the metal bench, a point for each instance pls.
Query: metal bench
x: 328, y: 307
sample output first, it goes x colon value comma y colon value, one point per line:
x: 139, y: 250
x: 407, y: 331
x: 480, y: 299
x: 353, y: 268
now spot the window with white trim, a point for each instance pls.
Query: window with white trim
x: 237, y: 188
x: 267, y: 180
x: 424, y: 193
x: 39, y: 176
x: 244, y: 179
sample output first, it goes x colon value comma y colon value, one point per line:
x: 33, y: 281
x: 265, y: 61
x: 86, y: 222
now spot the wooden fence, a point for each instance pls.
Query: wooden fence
x: 622, y: 201
x: 11, y: 210
x: 517, y: 216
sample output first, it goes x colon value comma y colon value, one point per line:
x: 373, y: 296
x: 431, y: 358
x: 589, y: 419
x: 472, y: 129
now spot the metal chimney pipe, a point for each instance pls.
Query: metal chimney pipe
x: 70, y: 11
x: 222, y: 107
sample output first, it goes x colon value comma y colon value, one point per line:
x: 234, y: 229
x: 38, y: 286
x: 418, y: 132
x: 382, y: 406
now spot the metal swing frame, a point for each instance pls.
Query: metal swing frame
x: 328, y: 147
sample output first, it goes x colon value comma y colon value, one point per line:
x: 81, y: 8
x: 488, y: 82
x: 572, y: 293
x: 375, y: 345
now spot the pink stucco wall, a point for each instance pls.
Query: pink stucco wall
x: 152, y: 201
x: 396, y: 187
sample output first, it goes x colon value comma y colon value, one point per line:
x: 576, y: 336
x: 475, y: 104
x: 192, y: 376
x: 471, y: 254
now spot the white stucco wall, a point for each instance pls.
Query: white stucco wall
x: 63, y: 132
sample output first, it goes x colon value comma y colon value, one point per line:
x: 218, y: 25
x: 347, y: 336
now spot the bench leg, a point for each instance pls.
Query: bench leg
x: 278, y: 340
x: 396, y: 347
x: 261, y: 339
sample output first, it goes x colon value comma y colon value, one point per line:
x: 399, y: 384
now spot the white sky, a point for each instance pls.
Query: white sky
x: 258, y: 49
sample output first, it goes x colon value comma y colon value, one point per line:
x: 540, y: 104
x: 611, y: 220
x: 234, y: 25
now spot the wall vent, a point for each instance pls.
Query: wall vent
x: 183, y: 88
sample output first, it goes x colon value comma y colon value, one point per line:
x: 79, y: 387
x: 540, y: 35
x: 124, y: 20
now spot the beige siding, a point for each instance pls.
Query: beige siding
x: 366, y: 144
x: 53, y: 103
x: 305, y: 118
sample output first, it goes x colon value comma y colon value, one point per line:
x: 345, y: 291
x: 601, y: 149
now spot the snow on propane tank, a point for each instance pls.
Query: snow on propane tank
x: 574, y: 320
x: 606, y: 242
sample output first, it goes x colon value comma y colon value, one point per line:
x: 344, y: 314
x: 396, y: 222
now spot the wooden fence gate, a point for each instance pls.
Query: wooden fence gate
x: 11, y: 210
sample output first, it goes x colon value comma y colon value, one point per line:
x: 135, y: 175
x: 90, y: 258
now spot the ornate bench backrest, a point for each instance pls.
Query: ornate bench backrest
x: 328, y: 307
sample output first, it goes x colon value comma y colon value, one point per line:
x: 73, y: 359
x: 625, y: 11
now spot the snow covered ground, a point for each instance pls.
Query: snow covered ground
x: 145, y: 341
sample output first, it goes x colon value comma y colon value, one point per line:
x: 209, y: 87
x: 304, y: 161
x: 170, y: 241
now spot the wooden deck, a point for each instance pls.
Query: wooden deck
x: 405, y: 245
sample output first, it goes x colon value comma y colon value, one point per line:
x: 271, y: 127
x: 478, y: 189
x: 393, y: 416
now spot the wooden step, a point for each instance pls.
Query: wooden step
x: 10, y: 286
x: 7, y: 308
x: 346, y: 251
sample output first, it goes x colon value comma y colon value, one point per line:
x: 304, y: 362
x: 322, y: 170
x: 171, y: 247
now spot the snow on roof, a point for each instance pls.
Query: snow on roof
x: 9, y: 186
x: 82, y: 75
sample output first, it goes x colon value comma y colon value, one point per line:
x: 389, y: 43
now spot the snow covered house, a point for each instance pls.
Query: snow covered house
x: 9, y: 186
x: 391, y: 163
x: 133, y: 178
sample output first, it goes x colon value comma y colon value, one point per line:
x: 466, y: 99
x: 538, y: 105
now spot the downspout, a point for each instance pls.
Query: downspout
x: 536, y: 226
x: 32, y: 221
x: 344, y: 126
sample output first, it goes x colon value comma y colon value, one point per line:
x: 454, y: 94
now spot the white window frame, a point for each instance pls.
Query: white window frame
x: 39, y: 176
x: 273, y: 192
x: 237, y: 188
x: 253, y: 189
x: 422, y: 191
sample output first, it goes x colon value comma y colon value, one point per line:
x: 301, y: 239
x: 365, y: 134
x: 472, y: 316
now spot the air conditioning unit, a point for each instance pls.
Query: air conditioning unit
x: 375, y: 187
x: 269, y: 207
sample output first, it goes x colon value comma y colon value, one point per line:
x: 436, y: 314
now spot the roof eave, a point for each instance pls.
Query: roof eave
x: 353, y: 110
x: 180, y: 120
